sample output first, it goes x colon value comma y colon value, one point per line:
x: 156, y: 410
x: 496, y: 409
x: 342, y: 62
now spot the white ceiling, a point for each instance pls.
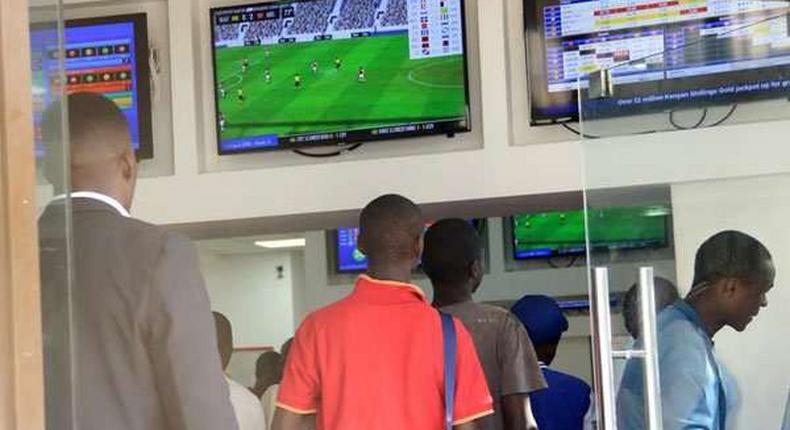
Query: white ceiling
x: 242, y: 245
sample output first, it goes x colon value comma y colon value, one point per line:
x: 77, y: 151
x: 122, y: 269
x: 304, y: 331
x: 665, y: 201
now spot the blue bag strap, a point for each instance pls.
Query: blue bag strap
x: 450, y: 348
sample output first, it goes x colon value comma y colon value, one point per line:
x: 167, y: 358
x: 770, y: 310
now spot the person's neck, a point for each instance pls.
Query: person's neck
x: 448, y: 295
x: 390, y: 272
x: 709, y: 316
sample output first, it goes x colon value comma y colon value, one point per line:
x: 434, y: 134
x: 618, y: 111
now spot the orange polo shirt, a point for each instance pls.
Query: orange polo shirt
x: 374, y: 360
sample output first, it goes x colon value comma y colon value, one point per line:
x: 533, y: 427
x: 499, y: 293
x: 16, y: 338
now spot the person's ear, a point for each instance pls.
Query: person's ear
x: 418, y: 247
x: 476, y: 270
x: 362, y: 243
x: 729, y: 288
x: 129, y: 165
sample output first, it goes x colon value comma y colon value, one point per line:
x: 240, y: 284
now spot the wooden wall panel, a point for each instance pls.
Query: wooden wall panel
x: 21, y: 369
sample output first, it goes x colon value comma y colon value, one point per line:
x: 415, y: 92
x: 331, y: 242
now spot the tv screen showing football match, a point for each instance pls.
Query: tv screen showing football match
x: 291, y: 74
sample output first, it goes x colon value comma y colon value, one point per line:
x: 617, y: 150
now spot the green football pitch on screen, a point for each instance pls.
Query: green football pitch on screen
x: 619, y: 227
x: 394, y: 90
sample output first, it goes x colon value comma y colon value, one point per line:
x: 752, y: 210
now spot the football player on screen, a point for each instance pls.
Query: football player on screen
x: 361, y: 75
x: 297, y: 81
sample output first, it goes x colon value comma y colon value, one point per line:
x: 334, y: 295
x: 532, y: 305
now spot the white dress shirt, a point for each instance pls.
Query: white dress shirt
x: 100, y: 197
x: 249, y: 412
x: 269, y: 402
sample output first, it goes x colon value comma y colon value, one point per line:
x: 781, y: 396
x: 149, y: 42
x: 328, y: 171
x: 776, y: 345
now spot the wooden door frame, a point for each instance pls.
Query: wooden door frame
x: 21, y: 364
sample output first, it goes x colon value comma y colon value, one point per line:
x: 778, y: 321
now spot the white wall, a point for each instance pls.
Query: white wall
x: 429, y: 170
x: 760, y: 357
x: 246, y: 289
x: 504, y: 157
x: 508, y: 159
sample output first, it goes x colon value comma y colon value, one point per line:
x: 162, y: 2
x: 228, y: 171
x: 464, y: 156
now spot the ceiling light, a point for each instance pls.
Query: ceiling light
x: 280, y: 244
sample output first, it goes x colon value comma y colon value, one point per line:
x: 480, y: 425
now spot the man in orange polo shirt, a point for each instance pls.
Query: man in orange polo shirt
x: 374, y: 360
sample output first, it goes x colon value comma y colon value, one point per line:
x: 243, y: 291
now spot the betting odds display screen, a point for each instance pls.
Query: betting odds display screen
x: 661, y: 53
x: 298, y: 73
x: 100, y: 55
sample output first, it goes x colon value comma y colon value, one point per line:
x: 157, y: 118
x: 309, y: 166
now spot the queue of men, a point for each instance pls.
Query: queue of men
x: 146, y: 353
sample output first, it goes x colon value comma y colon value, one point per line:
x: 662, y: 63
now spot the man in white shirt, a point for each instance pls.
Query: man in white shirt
x: 269, y: 397
x: 249, y: 412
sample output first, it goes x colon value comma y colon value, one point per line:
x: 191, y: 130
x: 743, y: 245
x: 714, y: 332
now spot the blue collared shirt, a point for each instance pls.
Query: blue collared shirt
x: 693, y: 389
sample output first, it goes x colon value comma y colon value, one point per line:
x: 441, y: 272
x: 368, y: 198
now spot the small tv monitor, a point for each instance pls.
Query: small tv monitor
x: 106, y: 55
x: 348, y: 257
x: 562, y: 233
x: 662, y: 54
x: 296, y: 73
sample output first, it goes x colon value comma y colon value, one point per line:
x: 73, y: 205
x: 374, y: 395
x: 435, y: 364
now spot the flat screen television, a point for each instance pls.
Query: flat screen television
x: 297, y: 73
x: 709, y: 52
x: 562, y: 233
x: 106, y: 55
x: 348, y: 257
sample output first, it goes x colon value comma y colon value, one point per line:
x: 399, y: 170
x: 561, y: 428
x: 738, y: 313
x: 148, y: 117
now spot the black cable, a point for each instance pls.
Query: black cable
x: 337, y: 153
x: 569, y: 265
x: 721, y: 121
x: 577, y: 132
x: 725, y: 117
x: 683, y: 127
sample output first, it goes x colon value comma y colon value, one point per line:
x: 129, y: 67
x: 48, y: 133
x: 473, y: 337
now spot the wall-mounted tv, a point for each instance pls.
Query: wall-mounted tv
x: 349, y: 259
x: 562, y: 233
x: 296, y: 73
x: 663, y: 54
x: 106, y: 55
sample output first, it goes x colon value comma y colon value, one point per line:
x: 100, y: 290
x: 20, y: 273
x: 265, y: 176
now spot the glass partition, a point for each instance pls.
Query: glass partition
x: 684, y: 123
x: 54, y: 208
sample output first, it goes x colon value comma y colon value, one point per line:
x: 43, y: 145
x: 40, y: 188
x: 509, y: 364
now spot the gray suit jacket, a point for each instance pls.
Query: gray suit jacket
x: 129, y: 342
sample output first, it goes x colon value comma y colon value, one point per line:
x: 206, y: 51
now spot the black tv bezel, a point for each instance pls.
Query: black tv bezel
x: 335, y: 142
x: 511, y: 231
x: 143, y: 73
x: 537, y: 84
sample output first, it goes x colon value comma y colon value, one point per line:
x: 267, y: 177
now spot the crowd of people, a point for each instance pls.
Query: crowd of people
x: 315, y: 18
x: 227, y: 32
x: 147, y: 353
x: 396, y: 14
x: 311, y: 17
x: 357, y: 14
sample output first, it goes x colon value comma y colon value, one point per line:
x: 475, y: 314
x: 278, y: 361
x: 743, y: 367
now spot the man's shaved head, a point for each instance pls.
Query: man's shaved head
x: 224, y: 338
x: 390, y: 230
x: 101, y: 154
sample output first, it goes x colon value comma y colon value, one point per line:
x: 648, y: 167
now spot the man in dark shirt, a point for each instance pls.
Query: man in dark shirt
x: 452, y: 259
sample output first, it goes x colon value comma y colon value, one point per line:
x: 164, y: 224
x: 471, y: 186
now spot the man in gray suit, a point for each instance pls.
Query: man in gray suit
x: 129, y: 339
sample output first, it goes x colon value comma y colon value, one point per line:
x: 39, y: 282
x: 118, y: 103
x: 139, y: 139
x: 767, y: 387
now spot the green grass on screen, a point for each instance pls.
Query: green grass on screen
x: 611, y: 226
x: 397, y: 90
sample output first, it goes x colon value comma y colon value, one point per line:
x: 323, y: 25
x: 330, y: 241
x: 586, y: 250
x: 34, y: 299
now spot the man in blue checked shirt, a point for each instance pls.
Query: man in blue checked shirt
x: 733, y: 272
